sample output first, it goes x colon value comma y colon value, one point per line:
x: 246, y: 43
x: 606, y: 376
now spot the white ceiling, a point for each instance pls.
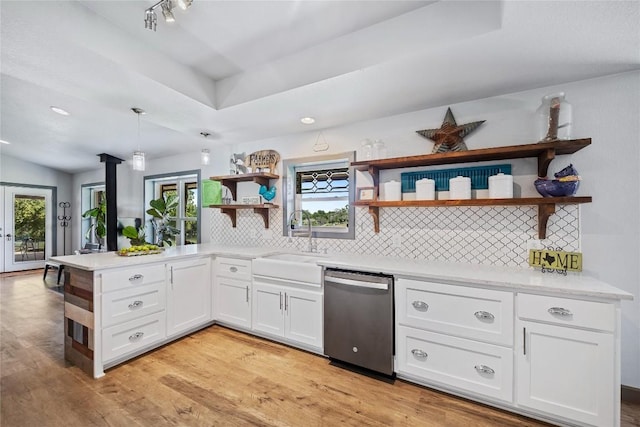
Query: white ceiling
x: 248, y: 70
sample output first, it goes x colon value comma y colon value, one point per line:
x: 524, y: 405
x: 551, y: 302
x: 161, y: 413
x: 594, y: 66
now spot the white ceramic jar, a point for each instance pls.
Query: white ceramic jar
x: 392, y: 191
x: 501, y: 186
x: 425, y: 189
x: 460, y: 188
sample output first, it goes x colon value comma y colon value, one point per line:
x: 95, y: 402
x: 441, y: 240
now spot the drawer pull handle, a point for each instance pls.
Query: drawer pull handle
x: 136, y: 336
x: 484, y: 369
x: 559, y: 311
x: 419, y: 353
x: 233, y: 269
x: 135, y: 277
x: 484, y: 315
x: 135, y: 304
x: 420, y: 305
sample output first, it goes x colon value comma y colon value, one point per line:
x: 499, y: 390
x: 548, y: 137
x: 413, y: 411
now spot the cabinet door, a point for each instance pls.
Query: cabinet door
x: 231, y: 302
x: 566, y: 372
x: 189, y: 296
x: 268, y: 309
x: 303, y: 317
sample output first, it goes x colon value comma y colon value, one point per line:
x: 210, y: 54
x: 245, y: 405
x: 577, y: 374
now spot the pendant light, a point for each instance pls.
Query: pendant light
x: 137, y: 161
x: 205, y: 156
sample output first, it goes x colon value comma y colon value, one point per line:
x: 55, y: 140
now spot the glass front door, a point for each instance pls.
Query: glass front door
x: 26, y: 229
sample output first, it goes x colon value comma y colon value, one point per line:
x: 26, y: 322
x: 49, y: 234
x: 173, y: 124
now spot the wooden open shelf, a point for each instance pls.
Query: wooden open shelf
x: 546, y: 206
x: 231, y: 181
x: 262, y: 210
x: 545, y: 152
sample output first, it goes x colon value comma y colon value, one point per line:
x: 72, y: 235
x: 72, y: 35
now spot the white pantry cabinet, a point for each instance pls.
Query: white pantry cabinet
x: 292, y: 312
x: 189, y: 294
x: 566, y: 359
x: 232, y: 292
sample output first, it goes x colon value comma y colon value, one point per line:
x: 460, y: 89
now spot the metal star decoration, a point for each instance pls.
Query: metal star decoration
x: 449, y: 136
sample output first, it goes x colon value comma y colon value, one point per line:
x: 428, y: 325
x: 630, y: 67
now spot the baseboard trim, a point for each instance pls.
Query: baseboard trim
x: 630, y: 394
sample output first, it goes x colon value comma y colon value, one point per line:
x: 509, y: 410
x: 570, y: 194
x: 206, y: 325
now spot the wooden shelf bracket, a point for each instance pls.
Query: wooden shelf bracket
x: 544, y: 212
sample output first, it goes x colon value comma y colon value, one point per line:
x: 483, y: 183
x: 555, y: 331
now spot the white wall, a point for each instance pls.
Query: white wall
x: 606, y: 109
x: 18, y: 171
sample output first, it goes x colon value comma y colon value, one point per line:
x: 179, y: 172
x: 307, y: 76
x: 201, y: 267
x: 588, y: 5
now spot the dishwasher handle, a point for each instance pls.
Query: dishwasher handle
x: 359, y: 283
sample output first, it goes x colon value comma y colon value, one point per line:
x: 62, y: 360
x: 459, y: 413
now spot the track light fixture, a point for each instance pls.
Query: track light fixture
x: 151, y: 19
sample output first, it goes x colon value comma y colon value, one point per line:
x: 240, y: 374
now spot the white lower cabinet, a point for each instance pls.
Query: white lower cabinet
x: 468, y: 365
x: 562, y: 369
x: 132, y: 336
x: 232, y: 292
x: 189, y: 294
x: 288, y: 312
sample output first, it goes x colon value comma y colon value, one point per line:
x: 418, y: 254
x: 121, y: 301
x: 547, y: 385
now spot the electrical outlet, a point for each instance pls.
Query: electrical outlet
x: 396, y: 241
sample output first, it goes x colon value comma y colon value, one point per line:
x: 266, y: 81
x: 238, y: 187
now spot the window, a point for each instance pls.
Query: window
x: 320, y: 189
x: 185, y: 216
x: 91, y: 196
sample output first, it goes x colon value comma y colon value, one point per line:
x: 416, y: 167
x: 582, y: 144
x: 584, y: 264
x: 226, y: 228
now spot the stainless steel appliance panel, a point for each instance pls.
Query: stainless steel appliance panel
x: 358, y: 319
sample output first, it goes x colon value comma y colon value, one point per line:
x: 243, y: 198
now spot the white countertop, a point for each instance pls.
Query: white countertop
x: 505, y: 278
x: 106, y: 260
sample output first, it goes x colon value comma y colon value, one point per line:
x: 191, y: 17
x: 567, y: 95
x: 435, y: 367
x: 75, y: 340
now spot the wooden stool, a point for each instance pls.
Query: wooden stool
x: 52, y: 264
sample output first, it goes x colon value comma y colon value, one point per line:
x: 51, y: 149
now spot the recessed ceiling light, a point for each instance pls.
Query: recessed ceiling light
x: 2, y: 141
x: 59, y: 110
x: 308, y: 120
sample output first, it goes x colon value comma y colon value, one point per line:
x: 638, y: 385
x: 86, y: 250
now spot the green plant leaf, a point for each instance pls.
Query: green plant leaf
x: 154, y: 213
x: 130, y: 232
x: 158, y: 204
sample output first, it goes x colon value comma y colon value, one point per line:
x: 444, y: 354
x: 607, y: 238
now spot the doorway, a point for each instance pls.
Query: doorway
x: 27, y: 227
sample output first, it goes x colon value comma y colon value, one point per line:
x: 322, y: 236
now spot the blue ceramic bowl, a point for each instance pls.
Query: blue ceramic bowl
x: 555, y: 188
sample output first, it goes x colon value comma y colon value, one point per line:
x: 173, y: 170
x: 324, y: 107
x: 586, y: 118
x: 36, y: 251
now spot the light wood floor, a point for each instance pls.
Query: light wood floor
x: 216, y: 377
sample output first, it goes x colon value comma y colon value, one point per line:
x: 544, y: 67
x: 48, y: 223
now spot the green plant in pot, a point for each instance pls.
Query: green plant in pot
x: 99, y: 224
x: 160, y: 211
x: 136, y: 236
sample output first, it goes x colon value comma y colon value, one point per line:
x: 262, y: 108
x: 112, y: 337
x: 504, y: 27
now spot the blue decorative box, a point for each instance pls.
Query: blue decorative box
x: 479, y: 177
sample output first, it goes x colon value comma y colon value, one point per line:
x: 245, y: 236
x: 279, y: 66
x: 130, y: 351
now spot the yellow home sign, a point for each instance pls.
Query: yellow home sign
x: 555, y: 260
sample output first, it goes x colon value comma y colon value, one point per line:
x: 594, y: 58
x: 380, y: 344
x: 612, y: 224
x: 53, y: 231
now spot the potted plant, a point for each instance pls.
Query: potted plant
x: 99, y: 223
x: 160, y: 210
x: 136, y: 236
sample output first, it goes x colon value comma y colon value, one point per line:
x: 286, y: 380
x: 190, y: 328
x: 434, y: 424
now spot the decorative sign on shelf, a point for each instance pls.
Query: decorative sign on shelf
x: 262, y: 161
x: 250, y: 200
x: 550, y: 260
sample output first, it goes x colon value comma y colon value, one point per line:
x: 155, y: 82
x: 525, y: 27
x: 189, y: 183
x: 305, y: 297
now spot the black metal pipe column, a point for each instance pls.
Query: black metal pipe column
x: 111, y: 190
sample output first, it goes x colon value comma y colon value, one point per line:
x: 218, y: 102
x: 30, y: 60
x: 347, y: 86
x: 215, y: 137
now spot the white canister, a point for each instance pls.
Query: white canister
x: 392, y: 191
x: 460, y: 188
x: 425, y: 189
x: 501, y: 186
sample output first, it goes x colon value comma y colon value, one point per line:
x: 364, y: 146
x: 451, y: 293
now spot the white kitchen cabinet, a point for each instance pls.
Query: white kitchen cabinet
x: 566, y: 359
x: 288, y: 312
x: 457, y: 337
x: 232, y: 292
x: 189, y: 294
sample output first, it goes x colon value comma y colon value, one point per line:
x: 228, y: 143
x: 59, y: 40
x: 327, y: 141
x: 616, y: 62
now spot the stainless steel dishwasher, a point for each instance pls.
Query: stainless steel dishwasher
x: 358, y: 319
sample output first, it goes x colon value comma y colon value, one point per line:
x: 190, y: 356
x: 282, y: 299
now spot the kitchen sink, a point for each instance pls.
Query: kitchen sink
x: 299, y: 257
x: 300, y: 267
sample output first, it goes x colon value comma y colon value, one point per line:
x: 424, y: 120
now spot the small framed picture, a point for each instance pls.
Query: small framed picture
x: 366, y: 193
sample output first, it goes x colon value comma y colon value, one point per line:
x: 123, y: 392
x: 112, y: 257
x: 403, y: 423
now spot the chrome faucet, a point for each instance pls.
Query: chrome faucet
x: 292, y: 231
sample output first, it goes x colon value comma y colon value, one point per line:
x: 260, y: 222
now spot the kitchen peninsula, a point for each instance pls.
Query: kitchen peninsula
x: 497, y: 335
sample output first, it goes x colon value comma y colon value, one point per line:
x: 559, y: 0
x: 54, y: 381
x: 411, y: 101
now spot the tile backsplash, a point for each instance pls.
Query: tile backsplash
x: 492, y: 235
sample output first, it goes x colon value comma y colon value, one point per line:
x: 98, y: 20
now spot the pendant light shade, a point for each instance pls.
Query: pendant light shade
x: 137, y: 161
x: 205, y: 157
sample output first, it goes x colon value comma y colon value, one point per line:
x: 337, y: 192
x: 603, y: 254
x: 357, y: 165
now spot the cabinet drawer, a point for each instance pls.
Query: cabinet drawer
x: 480, y: 314
x: 132, y: 276
x: 568, y: 312
x: 128, y: 304
x: 239, y: 269
x: 472, y: 366
x: 132, y: 336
